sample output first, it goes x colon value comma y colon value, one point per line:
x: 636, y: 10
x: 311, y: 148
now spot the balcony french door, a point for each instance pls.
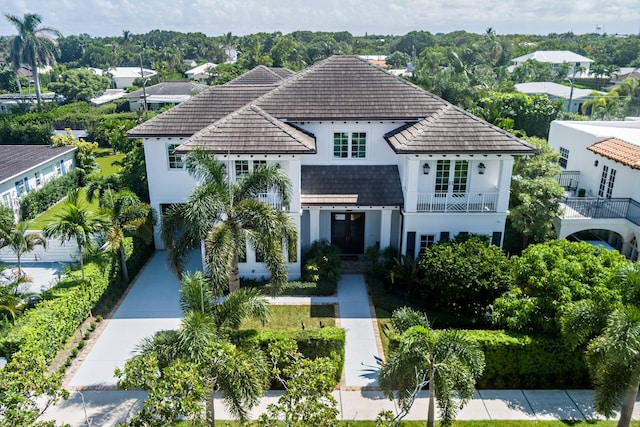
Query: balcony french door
x: 452, y: 177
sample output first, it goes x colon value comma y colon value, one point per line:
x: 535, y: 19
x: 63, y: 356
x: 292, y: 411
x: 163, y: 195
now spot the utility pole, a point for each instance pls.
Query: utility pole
x: 144, y: 91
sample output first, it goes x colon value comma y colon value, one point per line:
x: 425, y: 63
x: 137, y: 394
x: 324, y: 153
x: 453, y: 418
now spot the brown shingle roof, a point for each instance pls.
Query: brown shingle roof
x: 15, y: 159
x: 262, y: 75
x: 621, y: 151
x: 169, y: 88
x: 348, y: 88
x: 251, y: 130
x: 351, y: 185
x: 199, y: 111
x: 452, y: 130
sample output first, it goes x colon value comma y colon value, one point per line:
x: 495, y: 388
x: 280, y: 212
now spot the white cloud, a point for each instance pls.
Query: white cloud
x: 216, y: 17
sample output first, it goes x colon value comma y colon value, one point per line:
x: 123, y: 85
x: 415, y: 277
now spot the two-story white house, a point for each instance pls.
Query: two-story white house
x: 374, y: 159
x: 578, y: 64
x: 24, y: 168
x: 601, y: 170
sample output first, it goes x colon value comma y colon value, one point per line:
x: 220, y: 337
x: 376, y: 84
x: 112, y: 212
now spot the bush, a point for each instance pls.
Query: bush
x: 522, y: 361
x: 314, y: 343
x: 295, y: 287
x: 321, y: 263
x: 37, y: 201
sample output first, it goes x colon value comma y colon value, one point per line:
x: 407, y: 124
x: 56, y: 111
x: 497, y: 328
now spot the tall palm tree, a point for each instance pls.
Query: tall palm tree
x: 226, y: 215
x: 32, y: 46
x: 77, y: 222
x: 203, y: 341
x: 447, y: 361
x: 20, y: 241
x: 127, y: 215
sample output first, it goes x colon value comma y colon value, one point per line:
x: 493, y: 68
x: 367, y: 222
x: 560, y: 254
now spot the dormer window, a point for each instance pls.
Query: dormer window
x: 349, y: 145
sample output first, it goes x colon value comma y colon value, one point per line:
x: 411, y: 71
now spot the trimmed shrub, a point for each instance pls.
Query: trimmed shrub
x: 522, y: 361
x: 37, y: 201
x: 311, y: 344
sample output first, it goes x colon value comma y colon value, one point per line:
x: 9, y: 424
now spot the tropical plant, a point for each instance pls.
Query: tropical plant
x: 77, y: 222
x: 448, y: 362
x: 32, y: 46
x: 227, y: 215
x: 128, y: 215
x: 20, y: 241
x: 201, y: 355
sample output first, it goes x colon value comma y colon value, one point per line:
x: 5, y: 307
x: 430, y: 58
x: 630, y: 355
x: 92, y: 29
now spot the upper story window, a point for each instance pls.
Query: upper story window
x: 241, y: 168
x: 349, y: 145
x: 176, y: 161
x: 564, y: 157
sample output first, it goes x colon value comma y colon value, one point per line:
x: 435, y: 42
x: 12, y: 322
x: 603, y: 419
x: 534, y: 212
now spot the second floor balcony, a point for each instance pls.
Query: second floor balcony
x: 457, y: 202
x: 273, y: 200
x: 601, y: 208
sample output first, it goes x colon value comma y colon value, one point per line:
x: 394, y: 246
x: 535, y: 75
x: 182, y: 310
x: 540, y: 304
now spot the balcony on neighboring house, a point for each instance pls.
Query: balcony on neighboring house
x: 568, y: 179
x: 457, y: 202
x: 600, y: 208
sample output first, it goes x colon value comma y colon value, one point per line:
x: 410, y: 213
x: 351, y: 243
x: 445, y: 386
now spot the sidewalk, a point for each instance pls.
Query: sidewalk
x: 93, y: 382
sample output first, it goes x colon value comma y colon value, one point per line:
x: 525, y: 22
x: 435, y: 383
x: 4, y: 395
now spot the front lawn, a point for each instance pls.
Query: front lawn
x: 294, y: 317
x: 105, y: 159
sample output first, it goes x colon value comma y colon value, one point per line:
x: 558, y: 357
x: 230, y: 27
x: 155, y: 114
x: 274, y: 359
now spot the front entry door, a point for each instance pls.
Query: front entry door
x: 347, y: 232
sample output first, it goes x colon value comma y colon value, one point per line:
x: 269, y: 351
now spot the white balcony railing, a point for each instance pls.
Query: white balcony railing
x: 273, y: 200
x: 457, y: 202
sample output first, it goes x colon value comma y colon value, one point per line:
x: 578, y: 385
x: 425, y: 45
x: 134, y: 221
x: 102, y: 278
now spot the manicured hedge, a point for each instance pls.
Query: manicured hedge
x: 37, y: 201
x: 52, y: 322
x: 311, y: 343
x: 521, y: 361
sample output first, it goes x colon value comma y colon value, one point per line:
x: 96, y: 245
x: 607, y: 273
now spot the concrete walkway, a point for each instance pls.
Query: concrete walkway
x: 152, y: 304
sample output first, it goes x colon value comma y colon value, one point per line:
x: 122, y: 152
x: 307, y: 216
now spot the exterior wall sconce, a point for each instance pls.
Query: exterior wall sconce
x: 426, y: 168
x: 481, y: 168
x: 595, y: 163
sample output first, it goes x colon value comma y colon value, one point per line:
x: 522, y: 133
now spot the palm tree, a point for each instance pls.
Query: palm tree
x: 227, y: 215
x: 20, y: 241
x: 203, y: 340
x: 614, y: 362
x: 128, y: 215
x: 32, y: 46
x: 613, y: 356
x: 447, y: 361
x: 77, y: 222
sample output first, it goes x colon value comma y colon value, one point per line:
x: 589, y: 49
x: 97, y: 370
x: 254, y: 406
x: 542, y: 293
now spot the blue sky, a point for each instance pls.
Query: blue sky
x: 217, y: 17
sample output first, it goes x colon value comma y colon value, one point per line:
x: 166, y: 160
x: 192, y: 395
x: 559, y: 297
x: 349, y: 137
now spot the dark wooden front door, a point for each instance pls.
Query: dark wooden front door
x: 347, y: 232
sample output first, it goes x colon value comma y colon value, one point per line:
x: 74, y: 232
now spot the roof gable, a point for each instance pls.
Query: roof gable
x: 251, y: 130
x: 262, y: 75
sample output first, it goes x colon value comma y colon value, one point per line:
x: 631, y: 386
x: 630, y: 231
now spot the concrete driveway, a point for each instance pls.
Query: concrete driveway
x: 151, y: 305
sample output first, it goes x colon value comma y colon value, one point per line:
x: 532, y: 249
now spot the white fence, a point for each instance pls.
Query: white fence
x: 54, y: 252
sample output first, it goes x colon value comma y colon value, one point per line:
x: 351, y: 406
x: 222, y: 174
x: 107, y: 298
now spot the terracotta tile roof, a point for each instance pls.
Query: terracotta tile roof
x: 621, y: 151
x: 15, y: 159
x: 351, y: 185
x: 452, y: 130
x: 262, y: 75
x: 251, y: 130
x: 199, y: 111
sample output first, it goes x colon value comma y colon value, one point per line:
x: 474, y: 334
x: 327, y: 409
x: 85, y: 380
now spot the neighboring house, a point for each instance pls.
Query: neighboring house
x: 163, y: 94
x: 374, y: 160
x: 201, y: 72
x: 557, y: 91
x: 557, y: 58
x: 601, y: 170
x: 24, y: 168
x: 379, y: 60
x: 123, y: 77
x: 12, y: 101
x: 189, y: 62
x: 109, y: 95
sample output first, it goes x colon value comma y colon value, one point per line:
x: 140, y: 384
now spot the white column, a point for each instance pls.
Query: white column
x: 314, y: 225
x: 385, y: 228
x: 410, y: 185
x: 295, y: 176
x: 504, y: 183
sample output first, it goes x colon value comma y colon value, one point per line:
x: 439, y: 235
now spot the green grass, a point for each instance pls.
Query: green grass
x: 105, y: 160
x: 384, y: 322
x: 47, y: 216
x: 293, y: 316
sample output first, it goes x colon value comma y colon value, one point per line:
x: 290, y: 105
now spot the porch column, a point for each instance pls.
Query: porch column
x: 314, y: 225
x: 410, y: 185
x: 504, y: 183
x: 294, y: 175
x: 385, y: 228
